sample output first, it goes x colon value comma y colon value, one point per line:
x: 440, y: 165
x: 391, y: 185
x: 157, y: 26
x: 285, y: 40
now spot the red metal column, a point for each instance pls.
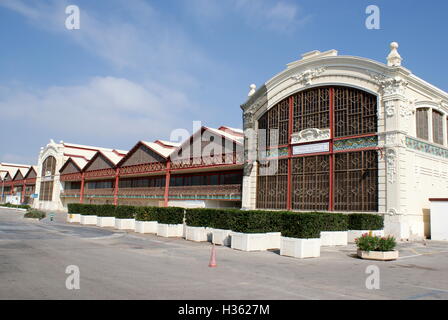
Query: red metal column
x: 167, y: 182
x: 117, y: 180
x: 81, y: 196
x: 23, y: 191
x: 289, y: 186
x: 331, y: 182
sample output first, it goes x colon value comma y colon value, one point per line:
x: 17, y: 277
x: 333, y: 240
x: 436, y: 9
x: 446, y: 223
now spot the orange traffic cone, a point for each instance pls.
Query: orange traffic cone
x: 212, y: 263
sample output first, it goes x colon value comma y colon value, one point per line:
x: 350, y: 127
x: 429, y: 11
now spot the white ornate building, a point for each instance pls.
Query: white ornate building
x: 348, y: 134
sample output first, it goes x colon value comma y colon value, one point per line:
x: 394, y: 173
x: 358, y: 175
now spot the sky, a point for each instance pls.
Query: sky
x: 136, y: 70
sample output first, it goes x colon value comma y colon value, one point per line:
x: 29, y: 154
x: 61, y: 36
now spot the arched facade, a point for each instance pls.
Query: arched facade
x: 325, y: 144
x: 345, y: 134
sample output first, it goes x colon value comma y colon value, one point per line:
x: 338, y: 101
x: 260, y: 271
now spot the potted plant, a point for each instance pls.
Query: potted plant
x: 125, y: 217
x: 198, y: 223
x: 106, y: 215
x: 74, y: 212
x: 334, y: 229
x: 170, y: 221
x: 88, y: 214
x: 146, y: 220
x: 301, y: 235
x: 377, y: 248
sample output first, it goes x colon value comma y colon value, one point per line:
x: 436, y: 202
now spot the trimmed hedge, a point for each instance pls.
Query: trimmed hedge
x: 358, y: 221
x: 146, y: 214
x: 125, y: 212
x: 17, y: 206
x: 169, y: 215
x: 290, y: 224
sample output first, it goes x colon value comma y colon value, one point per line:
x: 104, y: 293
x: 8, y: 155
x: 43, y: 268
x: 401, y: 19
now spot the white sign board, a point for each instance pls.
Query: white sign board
x: 311, y: 148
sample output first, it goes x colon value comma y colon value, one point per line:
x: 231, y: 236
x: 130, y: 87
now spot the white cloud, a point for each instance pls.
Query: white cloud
x: 105, y: 106
x: 275, y: 15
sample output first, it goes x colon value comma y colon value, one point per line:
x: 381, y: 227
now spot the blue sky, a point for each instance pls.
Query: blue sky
x: 138, y: 69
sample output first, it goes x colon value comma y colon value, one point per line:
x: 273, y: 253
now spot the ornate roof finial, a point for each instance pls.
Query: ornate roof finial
x: 253, y: 88
x: 394, y: 59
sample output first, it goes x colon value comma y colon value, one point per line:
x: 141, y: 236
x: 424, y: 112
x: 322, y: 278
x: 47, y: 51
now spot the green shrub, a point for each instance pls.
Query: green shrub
x: 74, y: 208
x: 125, y: 212
x: 359, y: 221
x: 105, y: 210
x: 146, y: 214
x: 17, y: 206
x: 301, y: 225
x: 375, y: 243
x: 334, y: 221
x: 169, y: 215
x: 35, y: 214
x: 256, y: 221
x: 200, y: 217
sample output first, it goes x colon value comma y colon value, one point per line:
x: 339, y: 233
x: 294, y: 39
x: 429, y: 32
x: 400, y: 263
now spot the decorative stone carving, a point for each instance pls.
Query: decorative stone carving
x: 395, y: 85
x: 391, y: 157
x: 308, y: 76
x: 310, y: 135
x: 394, y: 59
x: 390, y: 109
x: 392, y: 212
x: 253, y: 89
x: 377, y: 77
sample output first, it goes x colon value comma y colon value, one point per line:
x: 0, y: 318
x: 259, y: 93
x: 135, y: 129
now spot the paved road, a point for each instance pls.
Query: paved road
x: 120, y: 265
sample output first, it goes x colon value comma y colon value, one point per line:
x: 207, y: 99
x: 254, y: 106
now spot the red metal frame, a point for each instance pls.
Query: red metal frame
x: 167, y: 183
x: 331, y: 182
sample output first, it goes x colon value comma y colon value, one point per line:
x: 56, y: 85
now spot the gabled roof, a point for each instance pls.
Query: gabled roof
x: 230, y: 134
x: 110, y: 156
x: 20, y: 173
x: 79, y: 163
x: 160, y: 148
x: 30, y: 170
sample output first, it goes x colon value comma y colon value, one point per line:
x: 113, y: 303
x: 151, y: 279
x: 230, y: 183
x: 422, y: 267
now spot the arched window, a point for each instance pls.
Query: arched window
x: 49, y: 167
x: 437, y: 127
x: 422, y: 125
x: 337, y: 171
x: 46, y: 185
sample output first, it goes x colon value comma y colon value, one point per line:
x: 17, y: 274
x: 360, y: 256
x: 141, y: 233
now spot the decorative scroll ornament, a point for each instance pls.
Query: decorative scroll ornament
x: 308, y: 76
x: 392, y: 212
x: 391, y: 157
x: 310, y: 135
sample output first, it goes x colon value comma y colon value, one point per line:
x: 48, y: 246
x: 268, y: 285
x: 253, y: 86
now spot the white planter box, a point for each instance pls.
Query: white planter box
x: 88, y: 220
x: 198, y: 234
x: 221, y: 237
x: 73, y: 217
x: 300, y: 248
x: 273, y: 240
x: 378, y: 255
x: 249, y: 241
x: 146, y: 226
x: 105, y: 222
x: 353, y: 234
x: 334, y: 238
x: 170, y: 230
x: 125, y: 224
